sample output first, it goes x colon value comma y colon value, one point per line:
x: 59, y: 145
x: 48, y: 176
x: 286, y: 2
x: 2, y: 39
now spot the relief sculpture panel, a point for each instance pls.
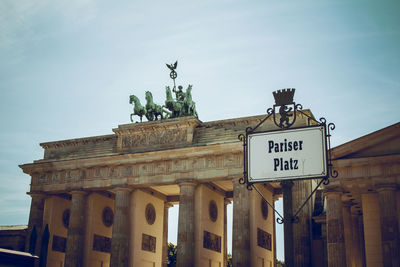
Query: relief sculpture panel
x: 169, y: 136
x: 148, y: 243
x: 212, y: 241
x: 59, y: 243
x: 101, y: 243
x: 263, y: 239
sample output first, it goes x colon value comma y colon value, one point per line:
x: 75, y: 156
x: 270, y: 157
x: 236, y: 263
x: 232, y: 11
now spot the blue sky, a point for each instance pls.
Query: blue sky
x: 67, y: 68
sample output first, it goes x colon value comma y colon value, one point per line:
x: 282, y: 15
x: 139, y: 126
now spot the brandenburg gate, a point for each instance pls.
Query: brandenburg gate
x: 104, y: 200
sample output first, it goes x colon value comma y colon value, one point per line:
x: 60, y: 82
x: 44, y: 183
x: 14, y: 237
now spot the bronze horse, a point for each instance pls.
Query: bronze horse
x: 138, y: 109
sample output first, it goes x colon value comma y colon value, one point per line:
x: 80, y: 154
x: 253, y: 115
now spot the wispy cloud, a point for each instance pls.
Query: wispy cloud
x: 21, y: 22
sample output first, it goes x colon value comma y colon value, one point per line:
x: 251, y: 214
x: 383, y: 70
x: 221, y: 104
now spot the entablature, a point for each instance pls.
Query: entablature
x: 205, y: 163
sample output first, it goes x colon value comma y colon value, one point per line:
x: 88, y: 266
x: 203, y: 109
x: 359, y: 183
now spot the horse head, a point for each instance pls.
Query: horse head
x: 189, y: 89
x: 149, y: 97
x: 133, y: 98
x: 188, y: 96
x: 168, y: 93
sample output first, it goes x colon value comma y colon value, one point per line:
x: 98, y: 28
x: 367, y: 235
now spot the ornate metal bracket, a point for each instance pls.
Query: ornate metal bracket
x: 288, y: 110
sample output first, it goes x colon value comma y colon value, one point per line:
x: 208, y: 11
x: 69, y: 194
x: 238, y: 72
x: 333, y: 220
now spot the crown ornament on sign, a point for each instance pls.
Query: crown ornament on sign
x: 284, y: 96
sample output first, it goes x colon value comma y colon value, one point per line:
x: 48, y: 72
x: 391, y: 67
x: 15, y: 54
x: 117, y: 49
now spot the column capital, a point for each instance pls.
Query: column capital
x: 333, y: 190
x: 227, y: 201
x: 235, y: 181
x: 347, y: 204
x: 275, y: 197
x: 78, y: 192
x: 385, y: 187
x: 123, y: 188
x: 168, y: 205
x: 286, y: 183
x: 37, y: 194
x: 181, y: 182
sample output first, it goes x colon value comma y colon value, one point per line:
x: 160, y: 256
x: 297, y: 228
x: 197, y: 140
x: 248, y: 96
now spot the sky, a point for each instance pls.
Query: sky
x: 67, y: 68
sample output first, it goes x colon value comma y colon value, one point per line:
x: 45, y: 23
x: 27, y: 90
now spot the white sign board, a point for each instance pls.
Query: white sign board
x: 290, y: 154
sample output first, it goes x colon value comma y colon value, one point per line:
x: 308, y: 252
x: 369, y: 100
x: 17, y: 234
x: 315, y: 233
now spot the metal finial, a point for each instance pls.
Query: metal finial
x: 173, y: 73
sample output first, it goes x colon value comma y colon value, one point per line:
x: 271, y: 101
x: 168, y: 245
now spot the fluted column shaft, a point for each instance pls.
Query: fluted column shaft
x: 372, y: 229
x: 35, y: 222
x: 356, y: 237
x: 76, y: 230
x: 362, y: 240
x: 301, y: 230
x: 348, y: 237
x: 35, y: 225
x: 335, y: 230
x: 121, y: 229
x: 241, y: 226
x: 185, y: 247
x: 389, y: 226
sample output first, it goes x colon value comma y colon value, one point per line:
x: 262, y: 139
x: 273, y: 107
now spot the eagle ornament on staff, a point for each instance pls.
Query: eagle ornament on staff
x: 173, y: 73
x: 181, y: 106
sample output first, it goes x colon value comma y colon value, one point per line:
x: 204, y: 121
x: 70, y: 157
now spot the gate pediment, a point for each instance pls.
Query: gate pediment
x: 153, y: 135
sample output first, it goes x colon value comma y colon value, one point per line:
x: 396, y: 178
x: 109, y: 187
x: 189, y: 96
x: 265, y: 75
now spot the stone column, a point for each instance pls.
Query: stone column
x: 389, y: 226
x: 241, y: 226
x: 185, y: 248
x: 121, y: 228
x: 362, y: 240
x: 348, y: 233
x: 35, y: 225
x: 164, y: 259
x: 372, y: 229
x: 302, y: 230
x: 334, y: 229
x: 357, y: 261
x: 76, y: 230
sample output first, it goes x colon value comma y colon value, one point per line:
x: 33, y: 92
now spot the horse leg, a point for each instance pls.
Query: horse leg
x: 131, y: 117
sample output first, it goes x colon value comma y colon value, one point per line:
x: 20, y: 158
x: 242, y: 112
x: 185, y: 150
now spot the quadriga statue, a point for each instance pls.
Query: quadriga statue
x: 183, y: 105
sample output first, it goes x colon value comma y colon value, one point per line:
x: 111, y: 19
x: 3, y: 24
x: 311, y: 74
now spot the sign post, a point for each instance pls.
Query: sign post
x: 287, y: 154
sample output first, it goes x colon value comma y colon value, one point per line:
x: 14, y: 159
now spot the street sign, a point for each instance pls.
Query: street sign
x: 287, y: 155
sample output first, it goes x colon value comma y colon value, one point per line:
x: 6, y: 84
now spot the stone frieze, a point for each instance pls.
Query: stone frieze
x: 142, y: 172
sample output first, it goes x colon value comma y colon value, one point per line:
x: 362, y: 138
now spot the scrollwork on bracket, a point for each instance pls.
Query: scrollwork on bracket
x: 333, y: 173
x: 331, y: 126
x: 326, y: 181
x: 249, y: 129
